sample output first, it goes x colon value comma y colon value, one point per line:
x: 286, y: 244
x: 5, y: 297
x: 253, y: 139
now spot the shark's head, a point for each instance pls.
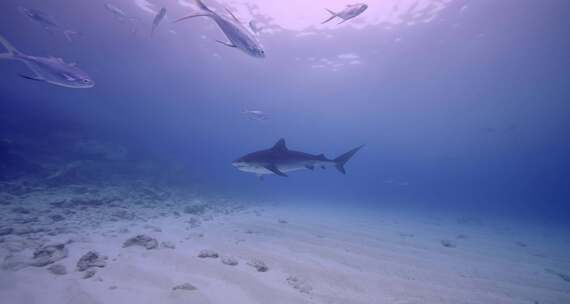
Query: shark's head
x: 363, y: 7
x: 242, y: 163
x: 249, y: 163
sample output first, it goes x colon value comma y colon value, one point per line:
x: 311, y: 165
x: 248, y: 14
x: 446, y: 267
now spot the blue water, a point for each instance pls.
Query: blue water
x: 468, y: 112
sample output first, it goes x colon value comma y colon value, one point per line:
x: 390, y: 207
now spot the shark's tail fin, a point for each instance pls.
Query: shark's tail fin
x: 12, y: 51
x: 331, y: 17
x: 341, y: 160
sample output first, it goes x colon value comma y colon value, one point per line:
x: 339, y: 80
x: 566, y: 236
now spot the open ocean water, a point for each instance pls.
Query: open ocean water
x: 417, y: 152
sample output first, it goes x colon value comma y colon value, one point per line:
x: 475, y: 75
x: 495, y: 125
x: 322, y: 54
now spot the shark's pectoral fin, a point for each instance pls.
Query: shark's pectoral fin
x: 226, y: 43
x: 31, y: 77
x: 310, y: 167
x: 274, y: 169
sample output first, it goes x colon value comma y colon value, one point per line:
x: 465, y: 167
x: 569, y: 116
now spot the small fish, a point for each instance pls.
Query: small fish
x: 121, y: 16
x: 117, y: 12
x: 158, y: 18
x: 349, y: 12
x: 50, y: 70
x: 46, y: 21
x: 279, y: 159
x: 256, y: 115
x: 239, y: 37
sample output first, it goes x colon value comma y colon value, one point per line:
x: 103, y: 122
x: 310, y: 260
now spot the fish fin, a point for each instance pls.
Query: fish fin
x: 280, y: 145
x: 310, y: 167
x: 322, y: 157
x: 226, y: 43
x: 12, y: 51
x: 233, y: 16
x: 331, y: 17
x: 254, y: 28
x: 31, y: 77
x: 202, y: 6
x: 68, y: 34
x: 341, y: 160
x: 193, y: 16
x: 274, y: 169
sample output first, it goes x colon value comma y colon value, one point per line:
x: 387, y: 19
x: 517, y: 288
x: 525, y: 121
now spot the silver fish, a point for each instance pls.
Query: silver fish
x: 256, y: 115
x: 239, y: 37
x: 348, y: 13
x: 47, y: 22
x: 158, y: 18
x: 117, y: 12
x: 50, y: 70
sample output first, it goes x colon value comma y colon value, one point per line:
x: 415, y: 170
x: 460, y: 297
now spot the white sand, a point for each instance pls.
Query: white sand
x: 344, y: 257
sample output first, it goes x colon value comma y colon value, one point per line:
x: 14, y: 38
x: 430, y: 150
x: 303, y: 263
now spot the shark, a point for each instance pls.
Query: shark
x: 278, y: 160
x: 349, y: 12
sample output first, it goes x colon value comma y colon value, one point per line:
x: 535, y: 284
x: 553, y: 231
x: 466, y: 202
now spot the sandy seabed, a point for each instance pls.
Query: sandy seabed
x: 87, y: 244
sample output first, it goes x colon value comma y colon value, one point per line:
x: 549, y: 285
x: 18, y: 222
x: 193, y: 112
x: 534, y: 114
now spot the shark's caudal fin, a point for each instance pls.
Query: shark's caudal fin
x: 341, y: 160
x: 12, y: 51
x: 331, y: 17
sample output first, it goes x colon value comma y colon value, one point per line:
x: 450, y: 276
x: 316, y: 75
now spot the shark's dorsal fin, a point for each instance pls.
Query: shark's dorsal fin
x: 280, y: 145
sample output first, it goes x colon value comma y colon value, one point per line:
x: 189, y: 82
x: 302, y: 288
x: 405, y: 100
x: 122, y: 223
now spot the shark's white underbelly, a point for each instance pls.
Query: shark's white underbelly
x: 264, y: 171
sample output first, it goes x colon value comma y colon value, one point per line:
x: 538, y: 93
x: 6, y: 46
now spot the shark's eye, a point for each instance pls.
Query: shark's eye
x: 85, y: 81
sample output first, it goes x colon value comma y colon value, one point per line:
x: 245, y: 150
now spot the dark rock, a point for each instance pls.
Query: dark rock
x: 89, y: 273
x: 167, y: 244
x: 185, y: 286
x: 91, y: 259
x: 124, y: 215
x: 563, y: 276
x: 25, y: 220
x: 206, y: 253
x: 6, y: 231
x: 230, y: 261
x: 258, y: 265
x: 448, y: 244
x: 48, y: 254
x: 194, y: 222
x: 198, y: 209
x: 57, y: 217
x: 57, y: 269
x: 21, y: 210
x: 299, y: 284
x: 141, y: 240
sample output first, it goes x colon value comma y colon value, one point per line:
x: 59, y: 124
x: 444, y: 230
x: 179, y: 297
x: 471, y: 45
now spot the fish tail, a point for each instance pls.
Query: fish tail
x: 202, y: 6
x: 69, y: 35
x: 193, y: 16
x: 331, y: 17
x: 344, y: 158
x: 12, y: 51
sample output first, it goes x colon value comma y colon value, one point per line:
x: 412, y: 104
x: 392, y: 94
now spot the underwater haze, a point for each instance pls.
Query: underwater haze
x: 462, y: 107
